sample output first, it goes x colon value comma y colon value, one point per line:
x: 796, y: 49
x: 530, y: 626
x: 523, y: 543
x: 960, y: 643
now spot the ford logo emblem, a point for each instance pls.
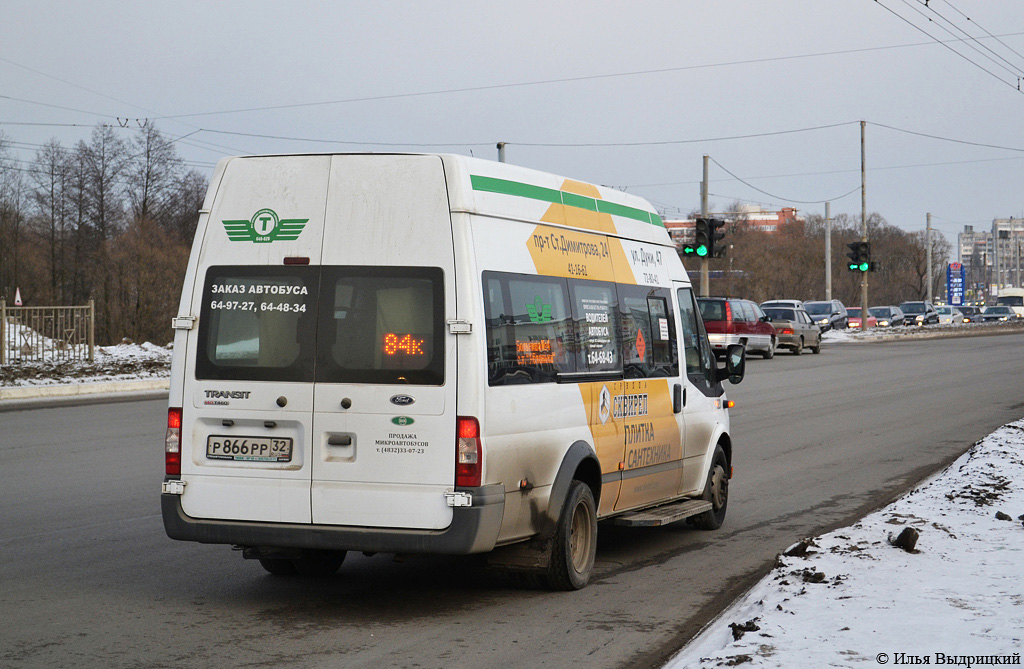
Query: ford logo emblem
x: 402, y: 400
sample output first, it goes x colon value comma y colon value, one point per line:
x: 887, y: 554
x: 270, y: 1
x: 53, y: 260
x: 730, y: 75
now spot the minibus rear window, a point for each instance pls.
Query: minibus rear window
x: 257, y: 324
x: 381, y: 325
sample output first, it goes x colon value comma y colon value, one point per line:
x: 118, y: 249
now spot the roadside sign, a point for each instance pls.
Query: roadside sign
x: 17, y: 297
x: 955, y: 284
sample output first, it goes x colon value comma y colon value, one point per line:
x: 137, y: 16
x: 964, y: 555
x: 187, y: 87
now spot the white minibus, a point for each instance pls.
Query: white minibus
x: 436, y: 354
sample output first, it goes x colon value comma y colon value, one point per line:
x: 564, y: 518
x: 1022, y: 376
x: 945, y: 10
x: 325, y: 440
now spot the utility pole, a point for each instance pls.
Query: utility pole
x: 705, y: 289
x: 928, y: 255
x: 828, y: 252
x: 863, y: 230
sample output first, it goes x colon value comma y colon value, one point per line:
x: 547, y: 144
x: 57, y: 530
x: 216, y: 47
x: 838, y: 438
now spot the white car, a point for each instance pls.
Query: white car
x: 949, y: 315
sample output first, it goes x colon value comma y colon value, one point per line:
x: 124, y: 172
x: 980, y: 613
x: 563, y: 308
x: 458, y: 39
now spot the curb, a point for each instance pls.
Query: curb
x: 39, y: 392
x: 980, y: 331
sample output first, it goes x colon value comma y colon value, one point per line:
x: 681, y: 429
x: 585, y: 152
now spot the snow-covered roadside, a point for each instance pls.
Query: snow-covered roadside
x: 852, y: 598
x: 123, y: 362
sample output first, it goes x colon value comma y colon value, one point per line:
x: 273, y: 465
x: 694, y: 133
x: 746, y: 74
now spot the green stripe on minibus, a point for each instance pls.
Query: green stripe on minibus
x: 518, y: 189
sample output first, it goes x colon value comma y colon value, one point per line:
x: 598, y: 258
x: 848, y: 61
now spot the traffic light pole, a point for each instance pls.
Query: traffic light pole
x: 705, y: 289
x: 863, y: 232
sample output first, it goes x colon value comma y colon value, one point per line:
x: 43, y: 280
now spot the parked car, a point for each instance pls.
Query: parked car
x: 971, y: 314
x: 949, y: 314
x: 735, y: 321
x: 999, y: 312
x: 794, y: 329
x: 828, y: 314
x: 919, y: 313
x: 854, y: 314
x: 888, y: 316
x: 792, y: 304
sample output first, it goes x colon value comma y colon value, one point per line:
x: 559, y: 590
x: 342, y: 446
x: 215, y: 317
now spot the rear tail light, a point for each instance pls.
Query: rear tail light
x: 786, y: 331
x: 728, y: 313
x: 468, y: 452
x: 172, y: 443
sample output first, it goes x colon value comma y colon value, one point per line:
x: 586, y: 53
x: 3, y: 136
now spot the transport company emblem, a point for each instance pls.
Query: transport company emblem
x: 402, y: 420
x: 264, y: 226
x: 402, y: 400
x: 538, y: 311
x: 604, y: 404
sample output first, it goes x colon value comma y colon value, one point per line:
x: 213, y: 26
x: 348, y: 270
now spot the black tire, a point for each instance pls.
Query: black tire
x: 278, y: 566
x: 319, y: 563
x: 816, y: 349
x: 770, y: 353
x: 575, y: 541
x: 716, y: 491
x: 799, y: 347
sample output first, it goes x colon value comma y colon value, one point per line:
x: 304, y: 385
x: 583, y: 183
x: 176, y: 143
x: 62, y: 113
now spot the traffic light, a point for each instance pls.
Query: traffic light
x: 702, y: 238
x: 715, y: 236
x: 860, y: 257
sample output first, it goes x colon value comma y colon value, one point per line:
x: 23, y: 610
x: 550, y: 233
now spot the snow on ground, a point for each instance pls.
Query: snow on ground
x: 851, y: 598
x: 124, y: 361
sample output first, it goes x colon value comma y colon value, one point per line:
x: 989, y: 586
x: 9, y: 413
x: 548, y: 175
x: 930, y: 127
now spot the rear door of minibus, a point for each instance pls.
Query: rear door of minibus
x: 384, y: 403
x: 248, y: 389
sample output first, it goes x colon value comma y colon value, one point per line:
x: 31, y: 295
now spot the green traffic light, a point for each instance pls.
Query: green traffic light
x: 863, y: 267
x: 702, y: 250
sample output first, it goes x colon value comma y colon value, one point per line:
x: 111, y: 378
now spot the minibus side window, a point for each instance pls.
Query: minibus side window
x: 255, y: 324
x: 700, y: 364
x: 648, y: 334
x: 529, y: 329
x: 596, y: 316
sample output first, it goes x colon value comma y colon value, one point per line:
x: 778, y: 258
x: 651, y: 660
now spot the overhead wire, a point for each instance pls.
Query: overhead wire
x: 1008, y: 66
x: 558, y: 80
x: 995, y: 37
x: 943, y: 43
x: 779, y: 197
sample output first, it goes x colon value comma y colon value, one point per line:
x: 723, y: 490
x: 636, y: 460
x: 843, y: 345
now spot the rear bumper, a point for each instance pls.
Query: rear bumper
x: 721, y: 342
x: 474, y: 529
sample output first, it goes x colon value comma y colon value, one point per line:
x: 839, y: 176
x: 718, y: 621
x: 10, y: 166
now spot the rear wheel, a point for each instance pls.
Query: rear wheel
x: 575, y: 542
x: 716, y: 491
x: 278, y: 566
x: 799, y: 347
x: 770, y: 353
x: 318, y: 563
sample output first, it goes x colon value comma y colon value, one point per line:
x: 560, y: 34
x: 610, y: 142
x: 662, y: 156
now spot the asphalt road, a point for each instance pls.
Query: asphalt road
x: 88, y: 578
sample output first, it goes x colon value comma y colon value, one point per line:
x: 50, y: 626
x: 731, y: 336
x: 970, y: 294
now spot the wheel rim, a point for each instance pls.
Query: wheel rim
x: 580, y: 537
x: 719, y: 487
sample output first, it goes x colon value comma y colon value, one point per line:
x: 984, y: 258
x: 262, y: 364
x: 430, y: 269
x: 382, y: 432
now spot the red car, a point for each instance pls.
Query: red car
x: 854, y: 313
x: 730, y: 320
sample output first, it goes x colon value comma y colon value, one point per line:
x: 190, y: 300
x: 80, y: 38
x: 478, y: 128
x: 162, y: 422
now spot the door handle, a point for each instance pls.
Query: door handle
x: 678, y: 398
x: 339, y: 440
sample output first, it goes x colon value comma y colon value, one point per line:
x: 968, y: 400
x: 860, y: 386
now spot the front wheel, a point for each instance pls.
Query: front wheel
x: 716, y: 491
x: 575, y: 542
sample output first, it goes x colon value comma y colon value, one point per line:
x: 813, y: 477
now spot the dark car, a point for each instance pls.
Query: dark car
x: 888, y: 317
x: 971, y: 314
x: 997, y: 313
x: 920, y: 313
x: 730, y: 320
x: 794, y: 329
x: 829, y: 314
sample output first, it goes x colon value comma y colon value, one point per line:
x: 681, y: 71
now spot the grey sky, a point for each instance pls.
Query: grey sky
x: 701, y: 70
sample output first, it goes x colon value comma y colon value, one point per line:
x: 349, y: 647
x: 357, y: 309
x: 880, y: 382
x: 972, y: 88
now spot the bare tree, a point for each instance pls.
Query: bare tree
x: 49, y: 175
x: 152, y: 173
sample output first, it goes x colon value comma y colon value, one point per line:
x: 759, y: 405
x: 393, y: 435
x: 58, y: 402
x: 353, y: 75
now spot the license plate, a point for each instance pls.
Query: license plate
x: 251, y: 449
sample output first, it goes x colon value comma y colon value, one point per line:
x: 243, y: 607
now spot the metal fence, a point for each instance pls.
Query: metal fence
x: 47, y: 333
